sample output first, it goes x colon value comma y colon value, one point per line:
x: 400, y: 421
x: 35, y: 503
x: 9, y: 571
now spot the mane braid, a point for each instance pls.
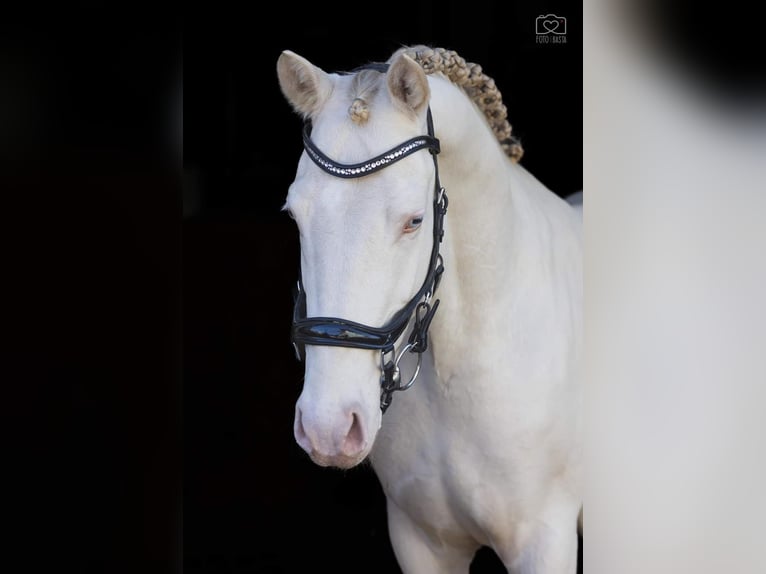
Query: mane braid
x: 477, y: 85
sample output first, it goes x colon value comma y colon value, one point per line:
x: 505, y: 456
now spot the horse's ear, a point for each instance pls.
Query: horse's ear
x: 408, y: 84
x: 304, y: 85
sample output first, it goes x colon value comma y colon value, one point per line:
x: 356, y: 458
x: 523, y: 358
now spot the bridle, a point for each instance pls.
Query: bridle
x: 337, y: 332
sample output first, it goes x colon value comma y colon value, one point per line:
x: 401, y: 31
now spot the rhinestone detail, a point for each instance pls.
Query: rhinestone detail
x: 369, y: 166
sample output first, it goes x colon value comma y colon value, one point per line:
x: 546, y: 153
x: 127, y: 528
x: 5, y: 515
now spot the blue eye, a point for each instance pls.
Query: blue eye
x: 413, y: 224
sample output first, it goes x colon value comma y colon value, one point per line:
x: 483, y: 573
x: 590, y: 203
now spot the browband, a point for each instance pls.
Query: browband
x: 353, y: 170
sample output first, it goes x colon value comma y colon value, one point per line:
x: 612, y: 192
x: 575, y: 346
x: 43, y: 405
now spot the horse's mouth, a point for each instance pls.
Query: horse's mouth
x: 337, y: 461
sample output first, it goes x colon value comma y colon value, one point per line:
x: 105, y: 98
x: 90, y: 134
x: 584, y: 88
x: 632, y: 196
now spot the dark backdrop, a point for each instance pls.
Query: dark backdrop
x: 104, y: 321
x: 253, y: 501
x: 148, y: 382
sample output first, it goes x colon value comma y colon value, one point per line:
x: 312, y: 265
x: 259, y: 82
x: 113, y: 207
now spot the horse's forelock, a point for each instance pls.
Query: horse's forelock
x: 364, y: 86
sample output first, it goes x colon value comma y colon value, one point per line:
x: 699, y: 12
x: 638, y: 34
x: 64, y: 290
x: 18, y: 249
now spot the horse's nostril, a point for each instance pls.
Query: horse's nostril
x: 300, y: 432
x: 354, y: 441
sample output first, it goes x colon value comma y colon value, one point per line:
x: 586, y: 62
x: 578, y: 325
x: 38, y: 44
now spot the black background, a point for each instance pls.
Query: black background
x: 253, y: 501
x: 148, y: 380
x: 148, y: 386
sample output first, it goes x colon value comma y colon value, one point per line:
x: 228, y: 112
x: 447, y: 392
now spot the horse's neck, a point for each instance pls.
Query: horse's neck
x: 498, y: 230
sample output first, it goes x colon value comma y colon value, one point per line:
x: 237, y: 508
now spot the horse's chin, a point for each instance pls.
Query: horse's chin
x: 339, y: 461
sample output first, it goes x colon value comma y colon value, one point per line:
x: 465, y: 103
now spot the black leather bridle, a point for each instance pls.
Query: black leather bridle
x: 337, y: 332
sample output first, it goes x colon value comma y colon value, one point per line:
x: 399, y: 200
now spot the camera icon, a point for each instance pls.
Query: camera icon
x: 550, y: 24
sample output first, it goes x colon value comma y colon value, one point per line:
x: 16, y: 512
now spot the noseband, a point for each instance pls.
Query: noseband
x: 337, y: 332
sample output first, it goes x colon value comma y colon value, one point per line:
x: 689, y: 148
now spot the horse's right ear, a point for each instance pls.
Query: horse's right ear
x: 407, y: 84
x: 304, y: 85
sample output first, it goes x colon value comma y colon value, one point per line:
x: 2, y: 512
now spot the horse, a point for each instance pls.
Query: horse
x: 484, y: 447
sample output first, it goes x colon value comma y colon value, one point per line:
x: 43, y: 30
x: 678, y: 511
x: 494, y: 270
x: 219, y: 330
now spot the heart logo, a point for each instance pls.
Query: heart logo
x: 551, y: 25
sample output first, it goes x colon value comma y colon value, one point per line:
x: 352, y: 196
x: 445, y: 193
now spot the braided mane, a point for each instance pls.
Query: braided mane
x: 477, y: 86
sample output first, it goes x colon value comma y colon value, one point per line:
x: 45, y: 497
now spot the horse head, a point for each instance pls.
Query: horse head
x: 365, y: 234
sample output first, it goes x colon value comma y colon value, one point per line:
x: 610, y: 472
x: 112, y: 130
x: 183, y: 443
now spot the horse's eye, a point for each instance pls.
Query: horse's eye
x: 413, y: 224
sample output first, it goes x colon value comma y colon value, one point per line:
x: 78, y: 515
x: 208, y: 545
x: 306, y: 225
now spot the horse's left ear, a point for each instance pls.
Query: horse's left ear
x: 408, y: 84
x: 305, y: 86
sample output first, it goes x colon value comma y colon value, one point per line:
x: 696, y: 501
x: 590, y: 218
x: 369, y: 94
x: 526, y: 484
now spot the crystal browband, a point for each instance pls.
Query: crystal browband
x: 370, y: 166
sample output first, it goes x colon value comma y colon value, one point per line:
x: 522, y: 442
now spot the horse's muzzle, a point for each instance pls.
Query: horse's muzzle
x: 342, y: 444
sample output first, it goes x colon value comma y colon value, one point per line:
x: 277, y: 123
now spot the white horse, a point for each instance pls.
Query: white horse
x: 485, y: 448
